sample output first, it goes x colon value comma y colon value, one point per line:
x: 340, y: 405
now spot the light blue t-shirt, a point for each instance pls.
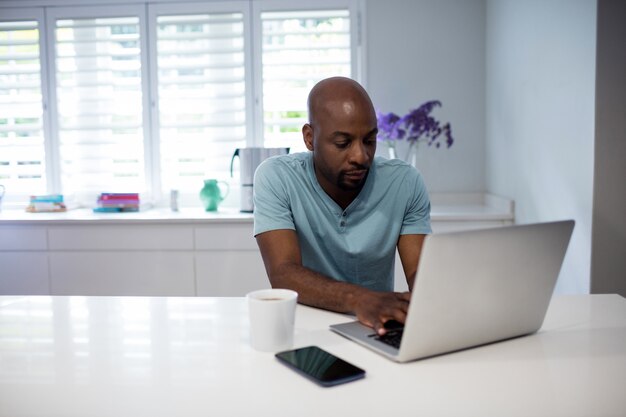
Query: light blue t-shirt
x: 355, y: 245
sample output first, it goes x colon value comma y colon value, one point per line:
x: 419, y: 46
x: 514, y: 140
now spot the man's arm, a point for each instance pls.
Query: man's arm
x: 282, y: 258
x: 409, y: 249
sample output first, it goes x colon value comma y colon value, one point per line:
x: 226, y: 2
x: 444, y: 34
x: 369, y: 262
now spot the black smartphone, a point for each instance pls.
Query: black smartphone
x: 320, y: 366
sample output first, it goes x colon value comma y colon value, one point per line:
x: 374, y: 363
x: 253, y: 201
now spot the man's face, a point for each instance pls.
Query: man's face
x: 343, y: 141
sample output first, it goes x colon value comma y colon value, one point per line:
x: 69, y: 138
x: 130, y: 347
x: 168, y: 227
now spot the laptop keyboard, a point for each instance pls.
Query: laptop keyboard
x: 393, y: 337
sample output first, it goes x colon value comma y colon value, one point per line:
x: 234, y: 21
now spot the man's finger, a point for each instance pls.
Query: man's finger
x: 380, y: 329
x: 404, y: 296
x: 400, y: 316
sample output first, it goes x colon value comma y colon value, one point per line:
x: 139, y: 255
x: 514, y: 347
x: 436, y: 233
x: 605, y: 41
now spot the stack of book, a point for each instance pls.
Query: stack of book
x: 117, y: 202
x: 46, y: 203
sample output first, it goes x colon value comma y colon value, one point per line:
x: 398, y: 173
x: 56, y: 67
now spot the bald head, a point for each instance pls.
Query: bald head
x: 337, y: 96
x: 341, y: 134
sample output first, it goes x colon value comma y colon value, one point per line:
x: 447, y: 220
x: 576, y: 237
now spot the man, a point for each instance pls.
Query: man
x: 328, y: 221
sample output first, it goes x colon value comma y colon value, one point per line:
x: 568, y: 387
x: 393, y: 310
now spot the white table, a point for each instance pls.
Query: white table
x: 99, y: 356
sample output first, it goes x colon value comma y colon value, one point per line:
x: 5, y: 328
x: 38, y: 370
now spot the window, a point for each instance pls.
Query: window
x: 99, y: 104
x: 201, y: 96
x: 22, y: 147
x: 157, y: 96
x: 300, y: 48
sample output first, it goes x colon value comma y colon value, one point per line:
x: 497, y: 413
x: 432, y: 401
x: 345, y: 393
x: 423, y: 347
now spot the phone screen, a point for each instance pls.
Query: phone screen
x: 320, y: 366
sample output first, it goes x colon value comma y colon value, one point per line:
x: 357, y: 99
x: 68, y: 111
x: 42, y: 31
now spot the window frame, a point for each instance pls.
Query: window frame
x: 97, y: 11
x: 155, y: 10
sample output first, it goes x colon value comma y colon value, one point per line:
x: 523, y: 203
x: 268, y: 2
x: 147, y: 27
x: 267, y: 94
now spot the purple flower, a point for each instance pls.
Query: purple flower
x: 417, y: 125
x: 389, y: 126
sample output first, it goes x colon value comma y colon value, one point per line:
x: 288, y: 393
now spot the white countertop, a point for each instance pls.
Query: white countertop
x: 151, y: 356
x: 152, y: 215
x: 445, y: 207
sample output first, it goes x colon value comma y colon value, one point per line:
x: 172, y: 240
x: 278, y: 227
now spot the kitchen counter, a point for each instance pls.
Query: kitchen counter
x: 158, y: 252
x: 445, y: 207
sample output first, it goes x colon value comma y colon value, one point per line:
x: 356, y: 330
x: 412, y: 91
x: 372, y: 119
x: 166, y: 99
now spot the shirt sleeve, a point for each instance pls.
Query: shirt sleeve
x: 272, y: 207
x: 417, y: 215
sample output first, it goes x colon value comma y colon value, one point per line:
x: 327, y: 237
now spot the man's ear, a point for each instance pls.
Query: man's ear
x: 307, y: 135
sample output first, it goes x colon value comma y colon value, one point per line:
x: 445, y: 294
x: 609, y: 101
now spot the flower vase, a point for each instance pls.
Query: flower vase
x: 411, y: 154
x: 392, y: 152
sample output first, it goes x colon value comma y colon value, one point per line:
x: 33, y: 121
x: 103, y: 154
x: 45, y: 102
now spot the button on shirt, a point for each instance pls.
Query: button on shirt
x: 355, y: 245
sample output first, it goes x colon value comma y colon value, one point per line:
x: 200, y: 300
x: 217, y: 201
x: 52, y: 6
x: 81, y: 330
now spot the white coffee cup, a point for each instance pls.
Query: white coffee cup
x: 272, y: 315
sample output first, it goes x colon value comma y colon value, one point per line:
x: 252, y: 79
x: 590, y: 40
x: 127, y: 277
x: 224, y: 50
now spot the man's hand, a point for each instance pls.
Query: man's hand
x: 375, y: 308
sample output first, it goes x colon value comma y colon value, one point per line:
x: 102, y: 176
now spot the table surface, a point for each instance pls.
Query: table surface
x: 124, y: 356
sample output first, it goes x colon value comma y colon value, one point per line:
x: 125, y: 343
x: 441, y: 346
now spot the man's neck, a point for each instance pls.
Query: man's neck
x: 345, y: 198
x: 341, y: 196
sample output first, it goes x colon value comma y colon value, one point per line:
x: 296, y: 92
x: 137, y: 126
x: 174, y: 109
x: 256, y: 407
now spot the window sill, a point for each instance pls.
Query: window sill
x: 445, y: 207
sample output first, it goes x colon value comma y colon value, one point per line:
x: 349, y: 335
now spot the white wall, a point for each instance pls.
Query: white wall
x: 419, y: 50
x: 540, y: 117
x: 516, y: 79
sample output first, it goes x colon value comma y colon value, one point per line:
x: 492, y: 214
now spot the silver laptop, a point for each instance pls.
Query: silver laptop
x: 475, y: 287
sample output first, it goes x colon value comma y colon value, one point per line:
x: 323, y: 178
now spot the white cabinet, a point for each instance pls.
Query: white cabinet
x: 228, y: 261
x: 158, y: 252
x: 230, y: 273
x: 121, y: 237
x: 22, y: 237
x: 233, y: 236
x: 24, y: 273
x: 23, y: 260
x: 131, y: 257
x: 141, y: 273
x: 121, y: 259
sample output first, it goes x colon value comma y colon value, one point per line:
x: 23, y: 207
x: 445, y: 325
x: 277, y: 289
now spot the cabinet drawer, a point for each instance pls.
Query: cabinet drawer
x: 117, y: 237
x: 22, y: 238
x: 230, y: 274
x: 24, y: 273
x: 226, y: 236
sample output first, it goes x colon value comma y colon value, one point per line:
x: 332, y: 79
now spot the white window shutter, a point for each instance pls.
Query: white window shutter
x: 99, y: 104
x: 22, y: 149
x: 201, y: 96
x: 299, y: 48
